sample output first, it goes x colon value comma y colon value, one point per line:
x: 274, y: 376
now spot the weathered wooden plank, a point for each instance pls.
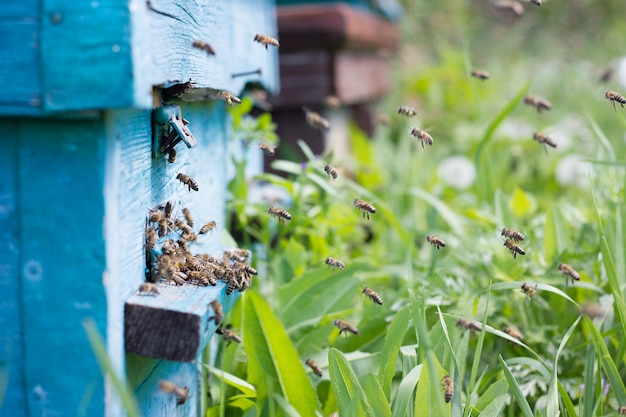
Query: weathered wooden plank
x: 81, y: 67
x: 60, y: 172
x: 11, y: 358
x: 360, y: 77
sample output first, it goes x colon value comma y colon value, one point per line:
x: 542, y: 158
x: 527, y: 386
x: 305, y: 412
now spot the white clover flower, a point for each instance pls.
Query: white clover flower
x: 457, y: 172
x: 574, y: 170
x: 516, y: 129
x: 621, y: 71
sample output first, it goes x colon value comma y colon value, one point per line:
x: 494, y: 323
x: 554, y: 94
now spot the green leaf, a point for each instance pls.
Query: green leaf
x: 614, y: 281
x: 495, y: 407
x: 497, y: 389
x: 233, y: 381
x: 429, y: 397
x: 273, y: 363
x: 287, y: 408
x: 393, y: 341
x: 515, y: 389
x: 521, y: 203
x: 552, y: 400
x: 404, y: 395
x: 554, y: 239
x: 375, y: 396
x: 455, y: 221
x: 350, y: 395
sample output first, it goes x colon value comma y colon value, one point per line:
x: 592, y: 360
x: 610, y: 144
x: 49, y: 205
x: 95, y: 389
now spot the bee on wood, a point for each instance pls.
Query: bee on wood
x: 228, y: 335
x: 528, y: 290
x: 148, y: 288
x: 544, y: 140
x: 188, y: 181
x: 267, y: 149
x: 422, y: 136
x: 188, y: 217
x: 242, y: 253
x: 372, y: 295
x: 537, y: 102
x: 593, y: 310
x: 200, y: 278
x: 514, y: 248
x: 365, y: 207
x: 315, y: 120
x: 204, y: 46
x: 281, y: 214
x: 335, y: 263
x: 569, y: 272
x: 513, y: 333
x: 407, y: 111
x: 331, y: 171
x: 186, y: 229
x: 181, y: 393
x: 448, y: 388
x: 316, y: 369
x: 345, y: 326
x: 266, y: 40
x: 150, y: 238
x: 469, y: 325
x: 218, y: 312
x: 171, y: 156
x: 228, y: 98
x: 168, y: 209
x: 481, y: 75
x: 511, y: 234
x: 435, y: 241
x: 207, y: 227
x: 613, y: 97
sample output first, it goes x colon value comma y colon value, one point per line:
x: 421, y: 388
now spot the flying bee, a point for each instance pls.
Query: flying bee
x: 181, y: 393
x: 481, y: 75
x: 204, y: 46
x: 569, y: 272
x: 407, y: 111
x: 365, y: 207
x: 188, y: 181
x: 207, y: 227
x: 188, y: 217
x: 148, y: 288
x: 469, y: 325
x: 515, y: 334
x: 621, y: 410
x: 422, y: 136
x: 316, y: 369
x: 228, y: 98
x: 528, y: 290
x: 281, y: 214
x: 331, y: 171
x: 536, y: 2
x: 613, y: 97
x: 435, y: 241
x: 335, y: 263
x: 512, y: 234
x: 332, y: 101
x: 509, y: 9
x: 537, y: 102
x: 218, y: 312
x: 266, y: 40
x: 372, y: 295
x: 606, y: 76
x: 228, y: 334
x: 544, y: 140
x: 593, y: 310
x: 315, y: 120
x: 267, y: 149
x: 514, y: 248
x: 448, y: 388
x: 345, y: 326
x: 171, y: 156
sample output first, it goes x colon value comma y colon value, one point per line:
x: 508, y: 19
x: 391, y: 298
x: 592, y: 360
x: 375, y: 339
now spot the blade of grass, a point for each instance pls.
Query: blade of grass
x: 614, y: 281
x: 455, y: 221
x: 569, y: 406
x: 235, y: 382
x: 552, y: 401
x: 375, y: 396
x: 589, y: 380
x: 348, y: 390
x: 601, y: 136
x: 404, y: 395
x: 393, y: 341
x: 287, y: 408
x: 515, y: 389
x: 495, y: 392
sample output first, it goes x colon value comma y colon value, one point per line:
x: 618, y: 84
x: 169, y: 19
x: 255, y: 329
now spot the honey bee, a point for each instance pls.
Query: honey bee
x: 621, y: 410
x: 188, y: 217
x: 228, y: 334
x: 570, y: 272
x: 267, y: 149
x: 345, y: 326
x: 448, y: 388
x: 514, y: 248
x: 218, y: 312
x: 150, y: 239
x: 331, y: 171
x: 316, y: 369
x: 266, y: 40
x: 509, y: 8
x: 148, y: 288
x: 593, y: 310
x: 188, y: 181
x: 469, y: 325
x: 332, y: 101
x: 207, y: 227
x: 228, y: 98
x: 606, y: 76
x: 513, y: 333
x: 315, y: 120
x: 365, y: 207
x: 200, y: 278
x: 422, y: 136
x: 171, y: 156
x: 528, y: 290
x: 481, y: 75
x: 537, y: 102
x: 536, y: 2
x: 407, y: 111
x: 544, y: 140
x: 242, y: 253
x: 512, y: 234
x: 168, y: 209
x: 204, y: 46
x: 335, y: 263
x: 187, y: 230
x: 435, y: 241
x: 613, y: 97
x: 281, y: 214
x: 181, y: 393
x: 372, y: 295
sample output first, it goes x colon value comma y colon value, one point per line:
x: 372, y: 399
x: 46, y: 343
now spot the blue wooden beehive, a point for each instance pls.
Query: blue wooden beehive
x: 78, y: 176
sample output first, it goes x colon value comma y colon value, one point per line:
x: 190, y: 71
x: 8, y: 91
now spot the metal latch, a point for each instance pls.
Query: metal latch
x: 168, y: 128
